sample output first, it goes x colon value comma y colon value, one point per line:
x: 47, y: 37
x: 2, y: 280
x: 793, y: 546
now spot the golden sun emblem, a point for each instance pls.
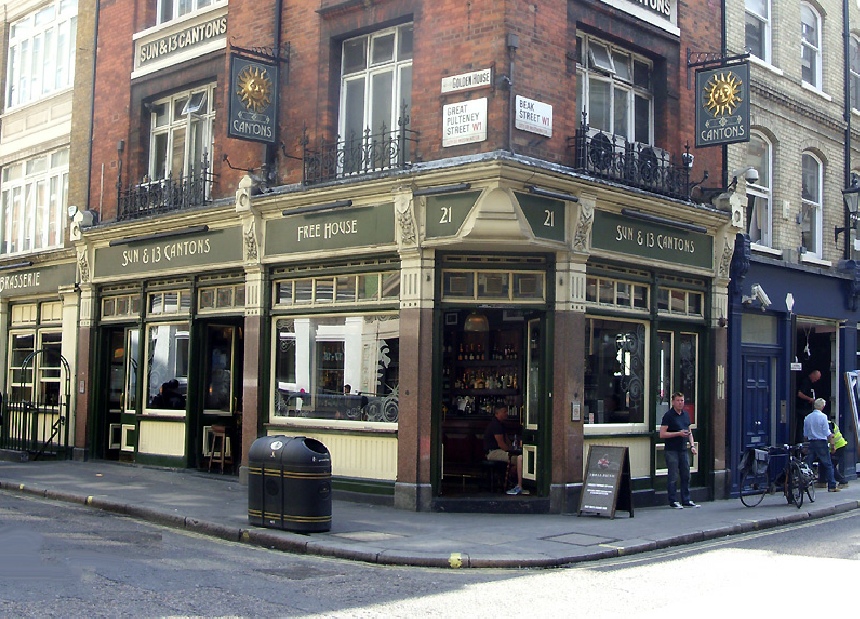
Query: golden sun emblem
x: 722, y: 93
x: 254, y: 88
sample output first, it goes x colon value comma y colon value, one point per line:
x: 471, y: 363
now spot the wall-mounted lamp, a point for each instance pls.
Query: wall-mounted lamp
x: 548, y: 193
x: 851, y: 204
x: 687, y: 159
x: 317, y: 207
x: 433, y: 191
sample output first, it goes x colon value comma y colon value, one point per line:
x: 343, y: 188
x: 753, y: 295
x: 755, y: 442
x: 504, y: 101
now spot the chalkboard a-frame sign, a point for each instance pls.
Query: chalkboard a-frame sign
x: 607, y: 482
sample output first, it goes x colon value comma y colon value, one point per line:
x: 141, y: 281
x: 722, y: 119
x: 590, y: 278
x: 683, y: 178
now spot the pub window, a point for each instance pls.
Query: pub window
x: 680, y: 302
x: 121, y: 306
x: 332, y: 290
x: 169, y: 302
x: 343, y: 368
x: 615, y: 371
x: 617, y: 293
x: 167, y: 367
x: 221, y: 297
x: 493, y: 285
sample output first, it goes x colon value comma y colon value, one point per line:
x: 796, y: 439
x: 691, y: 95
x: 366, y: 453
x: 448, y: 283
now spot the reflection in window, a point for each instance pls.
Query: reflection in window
x: 759, y: 217
x: 615, y: 371
x: 338, y: 367
x: 167, y: 366
x: 810, y: 225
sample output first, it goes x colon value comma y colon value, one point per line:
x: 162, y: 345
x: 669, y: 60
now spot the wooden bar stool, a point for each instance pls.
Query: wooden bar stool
x: 218, y: 448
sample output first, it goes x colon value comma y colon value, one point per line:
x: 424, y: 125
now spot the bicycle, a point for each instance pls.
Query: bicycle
x: 762, y: 472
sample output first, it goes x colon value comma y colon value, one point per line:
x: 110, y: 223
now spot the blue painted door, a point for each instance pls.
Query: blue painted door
x: 756, y: 400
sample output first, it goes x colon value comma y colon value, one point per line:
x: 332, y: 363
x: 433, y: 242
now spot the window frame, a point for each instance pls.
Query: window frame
x: 27, y: 37
x: 762, y: 191
x: 171, y: 10
x: 815, y: 204
x: 587, y: 75
x: 179, y: 120
x: 28, y: 223
x: 854, y: 68
x: 395, y: 67
x: 815, y: 47
x: 764, y: 28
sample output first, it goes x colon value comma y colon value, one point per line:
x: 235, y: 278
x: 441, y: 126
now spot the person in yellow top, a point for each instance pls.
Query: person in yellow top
x: 837, y: 450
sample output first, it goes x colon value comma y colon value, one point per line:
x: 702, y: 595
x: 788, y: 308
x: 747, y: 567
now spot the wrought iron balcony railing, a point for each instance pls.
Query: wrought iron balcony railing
x: 166, y: 195
x: 612, y: 157
x: 358, y: 154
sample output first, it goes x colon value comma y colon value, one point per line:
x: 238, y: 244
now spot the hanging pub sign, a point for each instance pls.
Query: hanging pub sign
x: 253, y: 108
x: 723, y: 105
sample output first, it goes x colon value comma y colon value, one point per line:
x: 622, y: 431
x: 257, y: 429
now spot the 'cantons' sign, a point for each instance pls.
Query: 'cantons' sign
x: 253, y: 100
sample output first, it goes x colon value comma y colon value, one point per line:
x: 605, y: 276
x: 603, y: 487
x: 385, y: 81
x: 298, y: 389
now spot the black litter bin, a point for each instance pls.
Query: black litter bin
x: 289, y: 484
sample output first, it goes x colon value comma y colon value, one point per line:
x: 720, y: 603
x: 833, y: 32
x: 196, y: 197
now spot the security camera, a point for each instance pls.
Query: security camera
x: 751, y: 175
x: 760, y: 295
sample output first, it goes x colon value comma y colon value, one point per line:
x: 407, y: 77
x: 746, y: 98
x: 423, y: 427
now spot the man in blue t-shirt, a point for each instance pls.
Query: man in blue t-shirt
x: 498, y: 448
x: 675, y: 431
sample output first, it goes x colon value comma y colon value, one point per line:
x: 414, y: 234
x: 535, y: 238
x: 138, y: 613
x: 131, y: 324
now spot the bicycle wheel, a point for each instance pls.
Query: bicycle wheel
x: 753, y: 489
x: 810, y: 490
x: 794, y: 491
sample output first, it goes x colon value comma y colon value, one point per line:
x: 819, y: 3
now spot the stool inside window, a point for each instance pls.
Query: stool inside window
x: 220, y: 454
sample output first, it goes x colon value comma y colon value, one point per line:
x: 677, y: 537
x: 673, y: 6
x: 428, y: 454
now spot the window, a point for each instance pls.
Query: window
x: 174, y: 9
x: 167, y: 367
x: 615, y: 371
x: 42, y: 49
x: 376, y: 83
x: 615, y: 90
x: 810, y: 59
x: 757, y: 29
x: 854, y: 81
x: 337, y: 367
x: 810, y: 225
x: 34, y: 197
x: 759, y: 218
x: 182, y: 133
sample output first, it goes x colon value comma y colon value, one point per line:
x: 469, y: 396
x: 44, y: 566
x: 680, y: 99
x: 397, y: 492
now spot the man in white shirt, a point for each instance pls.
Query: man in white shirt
x: 816, y: 429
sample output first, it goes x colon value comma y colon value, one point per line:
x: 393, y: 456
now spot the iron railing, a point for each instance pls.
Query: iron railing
x: 611, y: 157
x: 38, y: 426
x: 166, y: 195
x: 358, y: 154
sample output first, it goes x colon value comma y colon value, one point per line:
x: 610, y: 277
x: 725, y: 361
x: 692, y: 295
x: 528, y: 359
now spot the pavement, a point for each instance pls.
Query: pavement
x: 217, y: 506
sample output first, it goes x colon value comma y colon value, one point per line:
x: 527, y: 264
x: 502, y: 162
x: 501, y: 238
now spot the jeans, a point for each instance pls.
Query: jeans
x: 820, y: 450
x: 678, y: 464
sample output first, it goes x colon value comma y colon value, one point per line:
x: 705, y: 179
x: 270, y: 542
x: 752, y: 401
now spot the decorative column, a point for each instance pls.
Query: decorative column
x: 86, y: 322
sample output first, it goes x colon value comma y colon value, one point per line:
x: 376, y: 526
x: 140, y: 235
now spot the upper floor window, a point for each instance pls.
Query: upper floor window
x: 34, y: 198
x: 174, y: 9
x: 854, y: 64
x: 757, y: 28
x: 376, y: 81
x: 810, y: 58
x: 759, y: 217
x: 182, y: 134
x: 615, y: 90
x: 41, y: 56
x: 810, y: 225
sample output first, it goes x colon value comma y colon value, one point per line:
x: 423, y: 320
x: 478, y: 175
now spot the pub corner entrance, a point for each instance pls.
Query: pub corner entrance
x: 489, y: 357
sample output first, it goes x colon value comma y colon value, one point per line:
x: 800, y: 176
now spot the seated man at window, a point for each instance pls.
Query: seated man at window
x: 499, y: 449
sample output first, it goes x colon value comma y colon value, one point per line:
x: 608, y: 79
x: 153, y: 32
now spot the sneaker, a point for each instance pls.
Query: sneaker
x: 821, y: 484
x: 836, y: 489
x: 690, y: 504
x: 676, y: 505
x: 842, y: 484
x: 515, y: 490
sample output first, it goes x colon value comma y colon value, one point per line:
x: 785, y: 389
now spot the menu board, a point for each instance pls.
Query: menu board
x: 607, y: 482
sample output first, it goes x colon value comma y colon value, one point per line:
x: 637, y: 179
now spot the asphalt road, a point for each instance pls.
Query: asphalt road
x: 64, y: 560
